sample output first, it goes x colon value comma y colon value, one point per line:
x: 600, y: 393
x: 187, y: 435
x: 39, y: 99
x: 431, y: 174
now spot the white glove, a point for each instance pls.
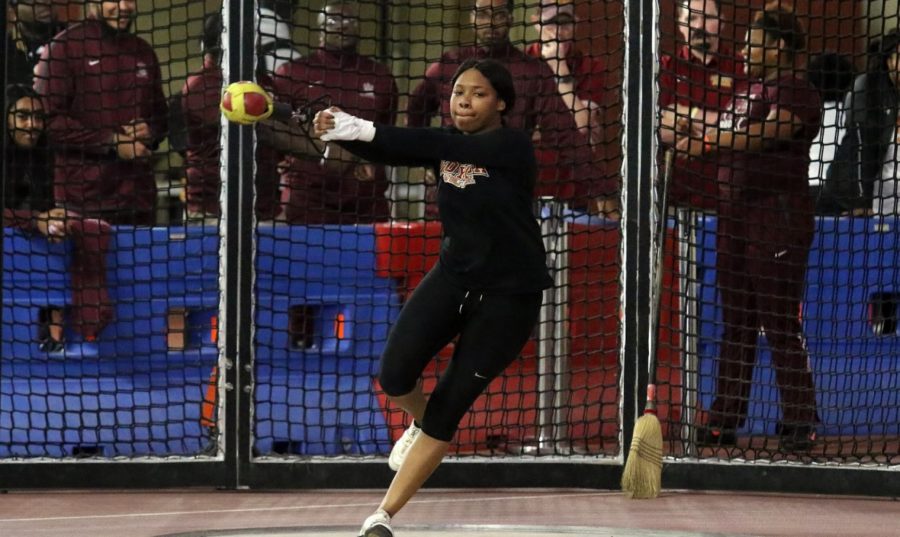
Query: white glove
x: 349, y: 128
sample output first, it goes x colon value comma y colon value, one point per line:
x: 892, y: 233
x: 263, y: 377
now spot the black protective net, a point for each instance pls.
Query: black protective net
x: 782, y: 230
x: 779, y: 298
x: 353, y: 239
x: 110, y: 302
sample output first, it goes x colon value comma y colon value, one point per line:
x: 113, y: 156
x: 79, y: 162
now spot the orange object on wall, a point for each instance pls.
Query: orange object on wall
x: 208, y: 407
x: 214, y: 329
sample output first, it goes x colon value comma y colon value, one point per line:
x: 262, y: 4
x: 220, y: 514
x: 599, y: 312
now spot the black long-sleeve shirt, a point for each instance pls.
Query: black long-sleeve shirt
x: 491, y: 240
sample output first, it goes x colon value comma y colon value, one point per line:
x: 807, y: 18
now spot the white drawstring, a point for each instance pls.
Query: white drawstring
x: 463, y: 303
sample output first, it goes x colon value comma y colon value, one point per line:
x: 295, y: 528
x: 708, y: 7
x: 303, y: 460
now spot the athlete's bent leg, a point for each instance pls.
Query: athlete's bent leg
x: 422, y: 459
x: 495, y: 330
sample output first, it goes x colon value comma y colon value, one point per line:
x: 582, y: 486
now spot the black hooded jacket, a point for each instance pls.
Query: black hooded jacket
x: 870, y: 120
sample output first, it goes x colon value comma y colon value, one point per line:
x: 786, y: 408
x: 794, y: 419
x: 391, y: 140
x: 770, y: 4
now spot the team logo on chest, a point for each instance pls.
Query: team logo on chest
x: 461, y: 175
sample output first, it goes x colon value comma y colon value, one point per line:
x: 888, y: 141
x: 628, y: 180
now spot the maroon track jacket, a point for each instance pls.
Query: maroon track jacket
x: 360, y: 86
x: 684, y: 80
x: 200, y: 105
x: 94, y: 80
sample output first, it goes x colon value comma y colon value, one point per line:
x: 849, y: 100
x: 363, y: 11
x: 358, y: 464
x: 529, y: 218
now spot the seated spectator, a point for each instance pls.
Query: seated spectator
x: 202, y: 118
x: 107, y: 114
x: 335, y: 188
x: 30, y: 26
x: 852, y: 182
x: 28, y: 206
x: 831, y: 74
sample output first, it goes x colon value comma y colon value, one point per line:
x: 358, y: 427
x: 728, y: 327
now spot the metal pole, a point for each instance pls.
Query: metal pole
x: 561, y: 368
x: 687, y: 282
x: 553, y: 336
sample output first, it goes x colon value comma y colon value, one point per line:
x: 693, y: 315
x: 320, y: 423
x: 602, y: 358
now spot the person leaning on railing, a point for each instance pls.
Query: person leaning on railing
x: 28, y: 205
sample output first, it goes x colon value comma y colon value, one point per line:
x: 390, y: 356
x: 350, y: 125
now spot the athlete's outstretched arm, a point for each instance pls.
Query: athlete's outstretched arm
x: 500, y: 147
x: 420, y: 146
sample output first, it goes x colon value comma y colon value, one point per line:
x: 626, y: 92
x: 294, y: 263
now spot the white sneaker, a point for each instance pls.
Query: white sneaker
x: 377, y: 525
x: 401, y: 448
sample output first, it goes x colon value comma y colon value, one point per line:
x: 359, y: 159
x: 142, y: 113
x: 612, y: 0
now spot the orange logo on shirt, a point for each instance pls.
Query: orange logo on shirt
x: 461, y: 175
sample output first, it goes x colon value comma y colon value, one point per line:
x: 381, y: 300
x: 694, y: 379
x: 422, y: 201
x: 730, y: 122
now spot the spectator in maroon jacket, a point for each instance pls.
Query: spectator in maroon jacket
x: 695, y: 86
x: 107, y: 113
x: 200, y: 108
x: 336, y: 188
x: 582, y: 83
x: 28, y: 205
x: 573, y: 176
x: 765, y: 229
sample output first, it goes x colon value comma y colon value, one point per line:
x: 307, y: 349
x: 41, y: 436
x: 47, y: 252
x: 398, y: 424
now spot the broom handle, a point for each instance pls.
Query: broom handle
x: 650, y: 407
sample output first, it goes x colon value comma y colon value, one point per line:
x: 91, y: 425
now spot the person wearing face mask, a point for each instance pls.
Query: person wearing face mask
x: 486, y: 288
x: 106, y: 115
x: 31, y: 26
x: 695, y: 85
x: 765, y: 228
x: 28, y: 205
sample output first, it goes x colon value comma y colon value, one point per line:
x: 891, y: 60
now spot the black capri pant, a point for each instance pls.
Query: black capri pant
x: 492, y: 330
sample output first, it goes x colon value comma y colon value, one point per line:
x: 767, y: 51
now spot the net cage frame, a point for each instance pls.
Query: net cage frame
x: 235, y: 466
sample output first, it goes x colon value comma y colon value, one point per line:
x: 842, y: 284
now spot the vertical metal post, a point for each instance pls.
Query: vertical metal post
x: 689, y: 338
x: 562, y: 371
x: 237, y: 237
x: 639, y: 176
x: 553, y: 336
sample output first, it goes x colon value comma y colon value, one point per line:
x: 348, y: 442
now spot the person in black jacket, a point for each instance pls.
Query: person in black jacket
x: 870, y: 117
x: 832, y: 75
x: 487, y: 285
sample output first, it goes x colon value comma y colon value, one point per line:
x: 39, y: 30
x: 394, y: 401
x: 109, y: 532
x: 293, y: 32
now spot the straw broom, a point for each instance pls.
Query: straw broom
x: 642, y: 477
